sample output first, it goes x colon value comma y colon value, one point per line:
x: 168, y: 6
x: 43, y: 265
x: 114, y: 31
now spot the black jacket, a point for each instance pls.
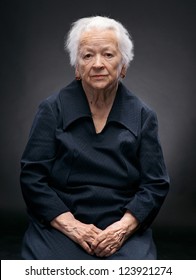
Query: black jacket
x: 66, y: 166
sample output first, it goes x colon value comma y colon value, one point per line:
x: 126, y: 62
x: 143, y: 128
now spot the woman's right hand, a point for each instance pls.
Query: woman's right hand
x: 83, y: 234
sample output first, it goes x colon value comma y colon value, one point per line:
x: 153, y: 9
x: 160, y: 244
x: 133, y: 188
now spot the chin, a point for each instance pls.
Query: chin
x: 99, y: 85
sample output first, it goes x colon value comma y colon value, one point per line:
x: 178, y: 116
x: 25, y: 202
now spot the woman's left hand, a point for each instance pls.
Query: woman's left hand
x: 111, y: 239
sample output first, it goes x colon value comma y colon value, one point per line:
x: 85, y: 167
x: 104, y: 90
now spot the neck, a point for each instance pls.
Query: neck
x: 100, y: 98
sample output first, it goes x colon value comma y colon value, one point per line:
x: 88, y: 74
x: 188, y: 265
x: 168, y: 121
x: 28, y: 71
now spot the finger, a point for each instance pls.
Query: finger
x: 86, y: 247
x: 111, y: 252
x: 100, y: 238
x: 90, y: 233
x: 97, y: 230
x: 105, y: 245
x: 95, y: 233
x: 104, y: 252
x: 111, y: 239
x: 94, y: 229
x: 108, y: 251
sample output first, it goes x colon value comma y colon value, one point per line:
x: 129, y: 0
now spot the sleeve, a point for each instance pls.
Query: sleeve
x: 154, y: 182
x: 37, y: 160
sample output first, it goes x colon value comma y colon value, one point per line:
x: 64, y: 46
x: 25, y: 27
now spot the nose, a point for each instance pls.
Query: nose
x: 98, y: 63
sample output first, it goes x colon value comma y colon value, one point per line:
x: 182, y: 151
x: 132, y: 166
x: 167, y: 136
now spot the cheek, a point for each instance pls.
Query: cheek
x: 84, y: 68
x: 116, y: 70
x: 115, y: 67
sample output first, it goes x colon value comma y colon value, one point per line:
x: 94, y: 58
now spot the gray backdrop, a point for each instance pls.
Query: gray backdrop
x: 34, y: 65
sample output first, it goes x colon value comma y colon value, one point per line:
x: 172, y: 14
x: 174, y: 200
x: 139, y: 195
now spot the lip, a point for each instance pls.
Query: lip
x: 98, y: 76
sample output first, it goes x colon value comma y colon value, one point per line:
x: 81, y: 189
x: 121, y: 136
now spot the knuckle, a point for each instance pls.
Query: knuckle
x: 101, y: 247
x: 80, y: 239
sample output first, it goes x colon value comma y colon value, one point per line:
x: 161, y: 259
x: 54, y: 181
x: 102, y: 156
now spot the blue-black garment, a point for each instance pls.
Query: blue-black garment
x: 67, y: 166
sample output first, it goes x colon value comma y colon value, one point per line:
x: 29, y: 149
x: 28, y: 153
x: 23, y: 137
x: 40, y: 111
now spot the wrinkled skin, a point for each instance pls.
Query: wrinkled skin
x: 93, y: 240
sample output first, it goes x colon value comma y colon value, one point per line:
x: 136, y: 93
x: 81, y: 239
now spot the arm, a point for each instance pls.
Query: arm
x: 36, y: 163
x: 42, y: 201
x: 154, y: 183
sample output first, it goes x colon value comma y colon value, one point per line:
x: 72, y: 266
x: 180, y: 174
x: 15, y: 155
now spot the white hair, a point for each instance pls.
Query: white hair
x: 85, y: 24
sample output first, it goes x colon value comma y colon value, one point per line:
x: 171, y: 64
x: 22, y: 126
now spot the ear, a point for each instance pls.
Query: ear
x: 123, y: 71
x: 77, y: 73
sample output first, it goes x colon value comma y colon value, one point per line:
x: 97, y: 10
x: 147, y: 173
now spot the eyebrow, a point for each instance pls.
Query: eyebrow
x: 91, y: 49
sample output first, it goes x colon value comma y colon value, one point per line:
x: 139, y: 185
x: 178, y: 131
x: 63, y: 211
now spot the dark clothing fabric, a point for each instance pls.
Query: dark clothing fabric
x: 46, y: 243
x: 67, y: 166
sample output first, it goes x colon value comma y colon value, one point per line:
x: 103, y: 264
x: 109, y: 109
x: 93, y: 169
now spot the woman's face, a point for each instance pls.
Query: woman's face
x: 99, y: 62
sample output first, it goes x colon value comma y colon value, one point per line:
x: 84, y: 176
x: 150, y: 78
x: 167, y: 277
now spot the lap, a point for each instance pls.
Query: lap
x: 44, y: 243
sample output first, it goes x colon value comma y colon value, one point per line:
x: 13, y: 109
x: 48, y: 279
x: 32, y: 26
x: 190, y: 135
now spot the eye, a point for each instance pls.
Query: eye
x: 109, y: 55
x: 87, y: 56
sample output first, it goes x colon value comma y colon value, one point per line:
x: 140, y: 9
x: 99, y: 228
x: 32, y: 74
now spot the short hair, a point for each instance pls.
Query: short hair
x: 100, y: 22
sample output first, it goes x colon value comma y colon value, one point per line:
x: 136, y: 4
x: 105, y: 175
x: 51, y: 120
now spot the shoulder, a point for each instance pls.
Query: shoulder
x: 137, y: 100
x: 57, y: 100
x: 135, y: 104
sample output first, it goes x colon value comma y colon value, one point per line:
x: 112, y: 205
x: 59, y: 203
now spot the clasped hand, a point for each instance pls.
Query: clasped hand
x: 108, y: 241
x: 102, y: 243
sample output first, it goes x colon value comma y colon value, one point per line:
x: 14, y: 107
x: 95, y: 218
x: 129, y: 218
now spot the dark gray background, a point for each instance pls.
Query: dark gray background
x: 34, y: 65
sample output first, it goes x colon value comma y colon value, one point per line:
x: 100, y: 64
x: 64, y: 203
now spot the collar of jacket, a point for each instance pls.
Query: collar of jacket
x: 126, y: 109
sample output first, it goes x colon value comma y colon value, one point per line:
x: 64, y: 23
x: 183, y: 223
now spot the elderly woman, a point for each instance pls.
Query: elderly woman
x: 92, y: 174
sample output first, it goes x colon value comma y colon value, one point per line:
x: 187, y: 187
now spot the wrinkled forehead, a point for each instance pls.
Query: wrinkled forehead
x: 96, y: 37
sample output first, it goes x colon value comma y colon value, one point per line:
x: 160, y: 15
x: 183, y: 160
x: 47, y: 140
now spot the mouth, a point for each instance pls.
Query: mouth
x: 98, y: 76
